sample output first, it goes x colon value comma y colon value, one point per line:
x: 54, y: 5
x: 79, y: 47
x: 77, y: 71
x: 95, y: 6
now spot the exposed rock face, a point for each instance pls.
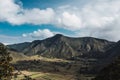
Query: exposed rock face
x: 61, y: 46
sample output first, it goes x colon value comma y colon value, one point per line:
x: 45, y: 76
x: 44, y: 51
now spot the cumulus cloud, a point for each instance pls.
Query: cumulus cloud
x: 70, y: 21
x: 97, y: 18
x: 40, y: 34
x: 15, y: 14
x: 101, y: 20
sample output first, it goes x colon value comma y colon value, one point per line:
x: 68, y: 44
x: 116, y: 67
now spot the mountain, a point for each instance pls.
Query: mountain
x: 111, y: 71
x: 87, y: 56
x: 60, y: 46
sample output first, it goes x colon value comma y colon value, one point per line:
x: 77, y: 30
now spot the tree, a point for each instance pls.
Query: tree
x: 6, y: 69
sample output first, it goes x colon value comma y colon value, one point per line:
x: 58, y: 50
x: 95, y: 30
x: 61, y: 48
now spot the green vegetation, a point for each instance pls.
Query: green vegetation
x: 5, y: 68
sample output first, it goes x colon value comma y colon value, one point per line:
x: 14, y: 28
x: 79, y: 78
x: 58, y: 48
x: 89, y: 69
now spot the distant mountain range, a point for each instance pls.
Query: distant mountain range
x: 60, y: 46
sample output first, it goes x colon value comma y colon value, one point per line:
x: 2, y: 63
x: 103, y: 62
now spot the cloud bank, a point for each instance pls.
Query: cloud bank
x: 97, y: 18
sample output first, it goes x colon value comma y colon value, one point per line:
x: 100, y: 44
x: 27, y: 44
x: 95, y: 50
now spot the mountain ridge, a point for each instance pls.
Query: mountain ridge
x: 61, y: 46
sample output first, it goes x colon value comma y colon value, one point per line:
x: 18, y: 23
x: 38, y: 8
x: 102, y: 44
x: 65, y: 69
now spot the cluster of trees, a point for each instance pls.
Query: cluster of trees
x: 6, y: 69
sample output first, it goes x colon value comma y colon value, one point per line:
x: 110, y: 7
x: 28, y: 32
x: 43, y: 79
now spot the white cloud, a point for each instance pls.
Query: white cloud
x: 15, y: 14
x: 101, y: 19
x: 70, y: 21
x: 8, y: 10
x: 97, y: 18
x: 37, y: 16
x: 39, y: 34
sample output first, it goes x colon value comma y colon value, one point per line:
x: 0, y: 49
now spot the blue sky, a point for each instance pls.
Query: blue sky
x: 26, y: 21
x: 51, y: 3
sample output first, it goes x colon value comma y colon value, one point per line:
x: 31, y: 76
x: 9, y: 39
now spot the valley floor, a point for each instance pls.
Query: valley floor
x: 40, y: 68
